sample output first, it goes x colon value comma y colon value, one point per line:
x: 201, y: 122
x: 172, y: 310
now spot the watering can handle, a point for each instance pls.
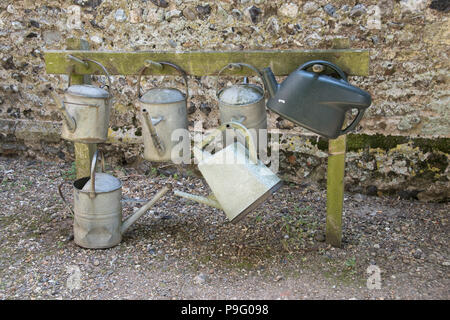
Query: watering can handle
x: 239, y: 65
x: 355, y: 122
x: 160, y: 65
x: 64, y: 200
x: 98, y: 64
x: 93, y: 167
x: 325, y: 63
x: 237, y: 126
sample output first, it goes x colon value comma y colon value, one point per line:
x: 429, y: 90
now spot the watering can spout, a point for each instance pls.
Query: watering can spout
x: 128, y: 222
x: 150, y: 123
x: 270, y: 82
x: 210, y: 201
x: 70, y: 122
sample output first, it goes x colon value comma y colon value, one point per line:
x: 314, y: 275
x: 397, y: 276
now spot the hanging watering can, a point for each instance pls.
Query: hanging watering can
x: 316, y: 101
x: 86, y: 109
x: 162, y: 110
x: 238, y: 180
x: 243, y: 102
x: 98, y: 209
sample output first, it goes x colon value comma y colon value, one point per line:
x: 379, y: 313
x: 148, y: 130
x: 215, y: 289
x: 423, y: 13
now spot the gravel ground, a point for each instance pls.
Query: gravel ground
x: 184, y: 250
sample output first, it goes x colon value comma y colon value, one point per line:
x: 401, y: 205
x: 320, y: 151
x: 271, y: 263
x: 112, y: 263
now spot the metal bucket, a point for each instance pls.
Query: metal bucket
x: 98, y: 209
x: 86, y: 110
x: 162, y: 110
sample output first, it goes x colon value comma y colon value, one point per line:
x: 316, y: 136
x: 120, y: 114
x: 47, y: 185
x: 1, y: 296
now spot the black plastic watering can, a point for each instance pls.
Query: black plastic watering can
x: 317, y: 102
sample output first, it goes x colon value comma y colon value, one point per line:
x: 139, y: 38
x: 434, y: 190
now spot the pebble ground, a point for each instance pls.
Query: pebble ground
x: 184, y: 250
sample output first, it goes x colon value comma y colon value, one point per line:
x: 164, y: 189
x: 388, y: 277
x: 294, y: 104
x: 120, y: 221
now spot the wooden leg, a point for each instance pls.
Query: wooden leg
x: 83, y: 158
x: 335, y: 190
x: 335, y: 176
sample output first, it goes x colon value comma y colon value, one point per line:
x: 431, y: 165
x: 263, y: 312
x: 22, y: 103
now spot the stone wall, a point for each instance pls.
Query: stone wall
x: 409, y: 76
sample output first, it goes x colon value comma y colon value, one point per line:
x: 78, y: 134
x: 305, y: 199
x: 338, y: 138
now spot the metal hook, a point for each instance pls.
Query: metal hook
x: 149, y: 63
x: 83, y: 62
x: 233, y: 66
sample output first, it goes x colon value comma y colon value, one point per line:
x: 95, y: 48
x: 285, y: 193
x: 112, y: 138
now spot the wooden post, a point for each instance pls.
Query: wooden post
x: 83, y: 151
x: 335, y: 178
x: 335, y: 190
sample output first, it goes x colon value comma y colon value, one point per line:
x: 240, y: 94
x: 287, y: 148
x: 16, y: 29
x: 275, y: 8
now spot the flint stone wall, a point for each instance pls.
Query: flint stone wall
x: 400, y: 146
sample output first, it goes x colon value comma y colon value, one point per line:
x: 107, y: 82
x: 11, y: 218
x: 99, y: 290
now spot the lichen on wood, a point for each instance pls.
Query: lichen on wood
x: 202, y: 63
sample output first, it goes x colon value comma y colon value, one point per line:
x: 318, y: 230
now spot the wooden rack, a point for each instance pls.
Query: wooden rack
x: 204, y: 63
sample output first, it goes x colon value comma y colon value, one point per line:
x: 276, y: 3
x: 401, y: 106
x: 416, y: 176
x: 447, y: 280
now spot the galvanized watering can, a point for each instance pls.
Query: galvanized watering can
x: 98, y: 209
x: 316, y: 101
x: 162, y: 110
x: 86, y: 109
x: 238, y: 180
x: 243, y: 102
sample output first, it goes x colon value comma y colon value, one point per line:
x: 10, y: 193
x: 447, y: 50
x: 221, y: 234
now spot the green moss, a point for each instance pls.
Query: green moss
x: 357, y: 142
x: 322, y: 144
x: 360, y: 141
x: 427, y: 145
x: 432, y: 167
x: 138, y: 132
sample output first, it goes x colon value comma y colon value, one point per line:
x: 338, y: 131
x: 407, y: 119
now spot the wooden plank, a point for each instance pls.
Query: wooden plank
x: 335, y: 190
x: 83, y: 152
x: 201, y: 63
